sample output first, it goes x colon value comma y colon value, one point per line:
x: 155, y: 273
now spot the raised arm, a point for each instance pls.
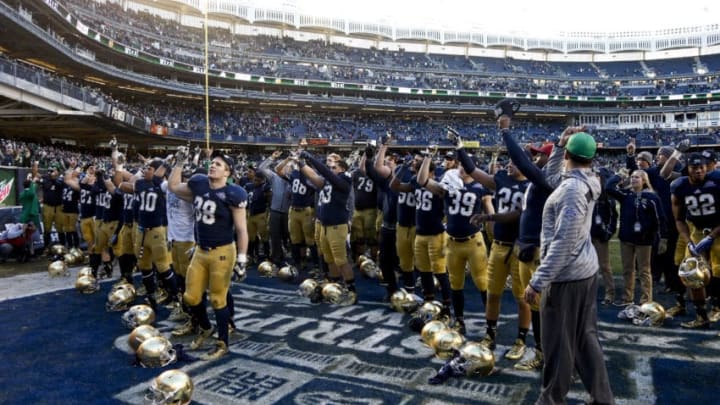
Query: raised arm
x: 337, y: 184
x: 175, y: 184
x: 379, y: 166
x: 478, y: 174
x: 424, y: 179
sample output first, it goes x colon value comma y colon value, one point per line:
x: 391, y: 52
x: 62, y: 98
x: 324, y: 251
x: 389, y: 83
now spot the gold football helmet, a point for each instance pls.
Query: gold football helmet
x: 86, y: 284
x: 156, y: 352
x: 58, y: 250
x: 650, y: 314
x: 430, y: 330
x: 428, y: 311
x: 332, y: 292
x: 397, y: 298
x: 474, y: 359
x: 171, y: 387
x: 85, y: 271
x: 58, y: 268
x: 267, y: 269
x: 69, y: 258
x: 694, y: 272
x: 120, y: 297
x: 138, y: 315
x: 287, y: 273
x: 446, y: 342
x: 369, y: 269
x: 308, y: 287
x: 141, y: 334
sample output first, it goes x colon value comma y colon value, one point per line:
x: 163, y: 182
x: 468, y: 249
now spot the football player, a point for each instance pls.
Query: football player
x: 52, y: 187
x: 302, y: 211
x: 335, y: 187
x: 112, y: 201
x: 259, y: 194
x: 694, y: 201
x: 465, y: 245
x: 380, y: 173
x: 221, y: 225
x: 87, y: 201
x: 362, y: 232
x: 151, y: 247
x: 70, y: 210
x: 405, y: 230
x: 429, y: 246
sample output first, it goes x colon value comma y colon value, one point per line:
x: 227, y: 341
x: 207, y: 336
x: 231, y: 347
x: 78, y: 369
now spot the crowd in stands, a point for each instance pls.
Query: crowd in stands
x: 316, y: 59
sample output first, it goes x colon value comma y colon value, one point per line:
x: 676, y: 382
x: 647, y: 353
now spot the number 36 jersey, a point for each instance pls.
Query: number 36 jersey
x: 213, y: 213
x: 701, y: 200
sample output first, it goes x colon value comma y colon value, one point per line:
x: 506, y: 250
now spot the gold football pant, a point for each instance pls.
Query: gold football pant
x: 151, y: 247
x: 526, y: 272
x: 470, y: 253
x: 404, y: 245
x: 301, y: 226
x: 210, y: 269
x: 504, y: 262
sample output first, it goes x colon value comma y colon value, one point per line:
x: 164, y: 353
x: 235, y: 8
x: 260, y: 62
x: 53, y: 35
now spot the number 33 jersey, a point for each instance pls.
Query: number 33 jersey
x: 700, y: 200
x: 213, y: 210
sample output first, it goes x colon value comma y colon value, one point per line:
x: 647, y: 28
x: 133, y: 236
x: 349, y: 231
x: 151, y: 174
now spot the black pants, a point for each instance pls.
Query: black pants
x: 278, y: 234
x: 568, y: 312
x: 388, y: 258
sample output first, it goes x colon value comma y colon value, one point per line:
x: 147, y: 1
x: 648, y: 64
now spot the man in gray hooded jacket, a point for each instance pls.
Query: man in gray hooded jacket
x: 567, y: 278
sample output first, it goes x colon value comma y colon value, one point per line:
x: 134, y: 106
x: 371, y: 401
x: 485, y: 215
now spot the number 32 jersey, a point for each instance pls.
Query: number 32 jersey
x: 213, y: 213
x: 701, y: 200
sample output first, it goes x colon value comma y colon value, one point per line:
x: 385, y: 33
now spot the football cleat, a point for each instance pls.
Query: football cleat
x: 200, y: 338
x: 536, y: 363
x: 697, y: 323
x: 183, y: 330
x: 488, y: 342
x: 178, y: 314
x: 516, y: 351
x: 677, y: 310
x: 216, y: 352
x: 714, y: 314
x: 459, y: 326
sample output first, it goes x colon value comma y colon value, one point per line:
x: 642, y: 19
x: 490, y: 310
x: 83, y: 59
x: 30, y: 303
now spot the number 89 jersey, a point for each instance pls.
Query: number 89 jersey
x: 700, y: 200
x: 460, y: 205
x: 213, y: 214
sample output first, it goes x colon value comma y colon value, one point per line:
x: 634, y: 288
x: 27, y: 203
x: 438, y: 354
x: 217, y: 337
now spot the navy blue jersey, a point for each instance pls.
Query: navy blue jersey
x: 213, y: 210
x: 102, y: 198
x: 701, y: 200
x: 257, y: 200
x: 388, y: 205
x: 303, y: 192
x: 460, y: 205
x: 113, y: 209
x: 87, y: 201
x: 52, y: 191
x: 365, y: 191
x: 71, y: 198
x: 509, y: 194
x: 128, y: 215
x: 332, y: 202
x: 406, y: 202
x: 428, y: 211
x: 151, y: 204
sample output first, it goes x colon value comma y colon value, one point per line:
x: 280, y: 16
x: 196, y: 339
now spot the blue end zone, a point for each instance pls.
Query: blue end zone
x: 64, y: 347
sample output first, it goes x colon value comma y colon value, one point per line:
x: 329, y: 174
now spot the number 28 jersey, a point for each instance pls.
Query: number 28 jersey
x: 509, y: 195
x: 213, y: 210
x: 701, y: 200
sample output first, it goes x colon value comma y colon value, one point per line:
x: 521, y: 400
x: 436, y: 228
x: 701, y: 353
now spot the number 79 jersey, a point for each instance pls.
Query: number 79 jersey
x: 460, y: 205
x: 213, y: 213
x: 700, y: 200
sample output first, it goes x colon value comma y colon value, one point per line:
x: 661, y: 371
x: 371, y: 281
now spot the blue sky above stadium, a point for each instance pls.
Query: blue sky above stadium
x: 519, y: 16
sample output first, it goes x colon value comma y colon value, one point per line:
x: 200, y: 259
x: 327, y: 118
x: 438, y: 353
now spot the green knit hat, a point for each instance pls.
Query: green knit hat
x: 582, y: 145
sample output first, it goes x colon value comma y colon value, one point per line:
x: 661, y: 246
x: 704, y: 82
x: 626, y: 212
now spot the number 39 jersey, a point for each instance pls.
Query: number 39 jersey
x: 213, y: 213
x: 701, y: 200
x: 460, y: 205
x: 428, y: 211
x: 509, y: 195
x: 151, y: 204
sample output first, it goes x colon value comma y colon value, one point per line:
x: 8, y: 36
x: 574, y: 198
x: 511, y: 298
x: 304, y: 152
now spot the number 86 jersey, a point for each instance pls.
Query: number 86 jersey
x: 700, y: 200
x: 213, y: 213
